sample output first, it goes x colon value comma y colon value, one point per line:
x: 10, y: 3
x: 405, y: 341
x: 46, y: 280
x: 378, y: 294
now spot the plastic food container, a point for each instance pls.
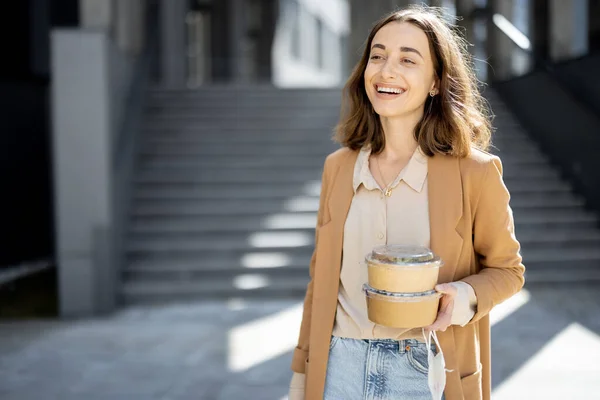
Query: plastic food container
x: 405, y: 269
x: 402, y: 310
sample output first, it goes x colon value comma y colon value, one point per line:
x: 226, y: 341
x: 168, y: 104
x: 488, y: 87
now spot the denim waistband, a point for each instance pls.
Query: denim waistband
x: 400, y: 346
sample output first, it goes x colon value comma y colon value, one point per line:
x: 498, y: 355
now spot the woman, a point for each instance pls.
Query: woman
x: 412, y: 170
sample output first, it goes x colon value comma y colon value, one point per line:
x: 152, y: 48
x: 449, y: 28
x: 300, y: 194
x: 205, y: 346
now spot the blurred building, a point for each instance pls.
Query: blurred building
x: 74, y: 73
x: 287, y: 42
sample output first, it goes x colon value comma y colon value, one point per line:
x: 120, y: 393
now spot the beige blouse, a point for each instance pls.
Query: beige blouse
x: 375, y: 219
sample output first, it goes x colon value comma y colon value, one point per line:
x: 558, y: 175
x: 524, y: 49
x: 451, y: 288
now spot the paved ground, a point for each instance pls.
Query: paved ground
x: 546, y: 346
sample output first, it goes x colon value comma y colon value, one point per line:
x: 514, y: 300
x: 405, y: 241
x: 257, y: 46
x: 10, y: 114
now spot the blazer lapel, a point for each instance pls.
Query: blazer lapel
x: 445, y: 212
x: 342, y: 192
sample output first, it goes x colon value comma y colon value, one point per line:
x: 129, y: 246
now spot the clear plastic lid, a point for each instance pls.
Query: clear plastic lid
x: 399, y: 297
x: 401, y: 255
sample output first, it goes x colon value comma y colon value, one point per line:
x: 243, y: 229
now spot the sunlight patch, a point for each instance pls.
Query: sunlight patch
x: 290, y: 221
x: 566, y: 367
x: 265, y: 260
x: 250, y: 281
x: 279, y: 239
x: 508, y: 307
x: 302, y: 204
x: 261, y: 340
x: 313, y: 188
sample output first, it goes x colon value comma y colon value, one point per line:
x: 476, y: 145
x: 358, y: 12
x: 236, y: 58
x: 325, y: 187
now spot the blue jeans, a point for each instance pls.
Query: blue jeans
x: 382, y: 369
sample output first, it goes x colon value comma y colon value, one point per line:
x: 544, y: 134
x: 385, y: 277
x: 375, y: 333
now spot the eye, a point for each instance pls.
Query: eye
x: 408, y: 61
x: 376, y: 57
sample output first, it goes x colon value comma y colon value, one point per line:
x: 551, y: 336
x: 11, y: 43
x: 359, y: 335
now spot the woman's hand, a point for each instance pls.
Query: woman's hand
x: 444, y: 317
x: 297, y: 387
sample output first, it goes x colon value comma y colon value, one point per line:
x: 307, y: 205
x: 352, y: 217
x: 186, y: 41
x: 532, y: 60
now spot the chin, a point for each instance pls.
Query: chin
x: 388, y: 112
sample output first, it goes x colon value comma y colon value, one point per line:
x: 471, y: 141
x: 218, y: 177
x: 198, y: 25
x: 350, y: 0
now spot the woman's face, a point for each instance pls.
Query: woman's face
x: 400, y: 72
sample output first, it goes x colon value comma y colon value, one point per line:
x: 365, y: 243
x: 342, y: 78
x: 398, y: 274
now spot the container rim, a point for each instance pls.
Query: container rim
x: 400, y: 295
x: 434, y: 263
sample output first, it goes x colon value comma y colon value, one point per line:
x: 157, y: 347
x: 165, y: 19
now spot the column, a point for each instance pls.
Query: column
x: 568, y: 29
x: 173, y: 43
x: 237, y: 38
x: 508, y: 42
x: 82, y: 167
x: 541, y: 31
x: 130, y: 25
x: 594, y: 24
x: 269, y: 13
x: 96, y: 14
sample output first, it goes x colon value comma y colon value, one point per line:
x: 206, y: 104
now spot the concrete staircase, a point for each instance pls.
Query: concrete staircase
x: 227, y: 189
x: 560, y: 239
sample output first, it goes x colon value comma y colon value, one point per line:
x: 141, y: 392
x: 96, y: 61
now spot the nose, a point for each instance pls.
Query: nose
x: 389, y: 70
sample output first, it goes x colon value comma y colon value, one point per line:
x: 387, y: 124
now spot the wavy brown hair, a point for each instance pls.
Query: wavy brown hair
x: 454, y: 121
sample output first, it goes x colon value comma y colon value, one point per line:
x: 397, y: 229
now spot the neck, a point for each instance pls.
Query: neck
x: 400, y: 140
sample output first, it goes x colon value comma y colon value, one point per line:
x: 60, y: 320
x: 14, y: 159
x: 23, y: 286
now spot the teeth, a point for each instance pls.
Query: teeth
x: 389, y: 90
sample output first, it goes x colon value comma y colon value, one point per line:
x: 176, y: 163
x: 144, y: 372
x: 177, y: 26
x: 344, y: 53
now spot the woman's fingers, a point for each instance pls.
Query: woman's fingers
x: 444, y: 317
x: 447, y: 289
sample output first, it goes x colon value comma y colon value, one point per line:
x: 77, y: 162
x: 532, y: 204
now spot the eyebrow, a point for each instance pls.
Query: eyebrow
x: 402, y: 49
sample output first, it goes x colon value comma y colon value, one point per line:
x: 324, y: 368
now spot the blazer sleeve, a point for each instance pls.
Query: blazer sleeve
x: 494, y: 242
x: 301, y: 351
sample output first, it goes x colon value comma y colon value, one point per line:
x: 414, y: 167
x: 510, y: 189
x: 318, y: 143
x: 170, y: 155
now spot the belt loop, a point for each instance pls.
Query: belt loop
x: 403, y: 346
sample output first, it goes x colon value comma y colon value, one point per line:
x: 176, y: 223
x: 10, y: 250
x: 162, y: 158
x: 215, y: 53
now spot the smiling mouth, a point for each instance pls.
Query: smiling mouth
x: 389, y: 90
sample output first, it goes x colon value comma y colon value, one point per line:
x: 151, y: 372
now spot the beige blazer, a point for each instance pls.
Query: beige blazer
x: 472, y: 230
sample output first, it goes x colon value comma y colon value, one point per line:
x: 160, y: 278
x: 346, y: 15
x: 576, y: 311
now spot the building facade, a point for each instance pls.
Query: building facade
x: 76, y: 68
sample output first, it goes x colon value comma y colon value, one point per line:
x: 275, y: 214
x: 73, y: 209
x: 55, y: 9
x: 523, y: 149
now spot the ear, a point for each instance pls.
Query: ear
x: 435, y: 86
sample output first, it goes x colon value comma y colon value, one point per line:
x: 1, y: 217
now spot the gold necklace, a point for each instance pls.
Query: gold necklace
x: 388, y: 190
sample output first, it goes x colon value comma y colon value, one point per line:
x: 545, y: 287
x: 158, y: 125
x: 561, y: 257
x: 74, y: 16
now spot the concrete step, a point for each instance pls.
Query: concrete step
x: 225, y: 261
x: 316, y: 137
x: 553, y: 215
x: 227, y: 150
x: 224, y: 224
x: 292, y: 221
x: 232, y: 123
x: 558, y: 258
x: 523, y: 192
x: 182, y: 191
x: 244, y: 117
x: 236, y: 191
x: 562, y: 271
x: 250, y: 286
x: 240, y: 162
x: 239, y: 188
x: 197, y: 166
x: 533, y: 171
x: 186, y: 285
x: 178, y: 268
x: 524, y: 150
x: 302, y: 242
x: 153, y: 173
x: 202, y: 279
x: 278, y: 161
x: 224, y: 206
x: 243, y: 93
x: 288, y: 241
x: 558, y: 198
x: 174, y: 272
x: 278, y: 149
x: 201, y: 260
x: 217, y: 262
x: 516, y: 186
x: 230, y: 98
x: 199, y: 207
x: 256, y: 148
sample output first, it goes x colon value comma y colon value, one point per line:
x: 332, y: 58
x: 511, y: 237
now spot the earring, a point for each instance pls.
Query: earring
x: 432, y: 93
